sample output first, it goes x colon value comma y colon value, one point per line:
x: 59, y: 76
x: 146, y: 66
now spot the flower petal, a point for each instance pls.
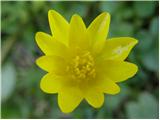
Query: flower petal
x: 52, y: 64
x: 98, y: 30
x: 59, y: 26
x: 69, y: 99
x: 117, y: 71
x: 50, y: 83
x: 77, y: 35
x: 118, y: 48
x: 111, y: 88
x: 94, y: 97
x: 49, y: 45
x: 108, y: 86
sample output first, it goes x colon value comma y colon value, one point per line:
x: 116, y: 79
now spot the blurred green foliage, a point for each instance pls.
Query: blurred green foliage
x: 21, y: 95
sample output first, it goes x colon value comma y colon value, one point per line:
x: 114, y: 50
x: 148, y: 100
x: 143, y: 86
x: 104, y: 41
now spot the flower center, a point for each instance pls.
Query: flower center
x: 82, y: 67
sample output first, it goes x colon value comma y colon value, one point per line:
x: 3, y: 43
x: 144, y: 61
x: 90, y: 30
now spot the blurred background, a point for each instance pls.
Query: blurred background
x: 21, y: 95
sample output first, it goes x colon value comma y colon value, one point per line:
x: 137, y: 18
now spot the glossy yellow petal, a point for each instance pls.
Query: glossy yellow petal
x: 77, y: 35
x: 49, y: 45
x: 118, y: 71
x: 118, y: 48
x: 50, y: 83
x: 94, y: 97
x: 107, y: 86
x: 69, y: 98
x: 98, y: 30
x: 59, y: 26
x: 52, y: 64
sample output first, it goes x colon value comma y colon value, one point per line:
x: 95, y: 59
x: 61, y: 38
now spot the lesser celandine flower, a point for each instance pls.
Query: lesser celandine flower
x: 80, y: 62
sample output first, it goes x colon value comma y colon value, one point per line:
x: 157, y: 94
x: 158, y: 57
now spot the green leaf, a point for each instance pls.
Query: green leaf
x: 132, y: 110
x: 128, y: 13
x: 8, y: 80
x: 150, y: 59
x: 145, y: 108
x: 37, y: 5
x: 154, y: 27
x: 112, y: 102
x: 144, y: 9
x: 71, y: 8
x: 111, y: 7
x: 10, y: 111
x: 149, y: 105
x: 121, y: 29
x: 147, y: 50
x: 145, y: 41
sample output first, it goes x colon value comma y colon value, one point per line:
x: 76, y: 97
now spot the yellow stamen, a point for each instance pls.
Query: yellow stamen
x: 82, y: 67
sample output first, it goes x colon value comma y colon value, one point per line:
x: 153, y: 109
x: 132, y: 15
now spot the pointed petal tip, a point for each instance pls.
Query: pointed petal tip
x: 53, y: 14
x: 50, y: 12
x: 115, y: 91
x: 65, y: 111
x: 37, y: 37
x: 47, y: 86
x: 135, y: 41
x: 44, y: 90
x: 132, y: 41
x: 133, y: 71
x: 37, y: 34
x: 58, y: 25
x: 98, y: 105
x: 136, y: 68
x: 106, y: 15
x: 38, y: 60
x: 76, y: 17
x: 95, y: 99
x: 41, y: 85
x: 71, y: 102
x: 118, y: 89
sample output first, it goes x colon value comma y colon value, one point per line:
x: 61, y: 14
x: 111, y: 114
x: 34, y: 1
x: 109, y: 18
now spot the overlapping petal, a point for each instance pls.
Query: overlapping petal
x: 107, y: 86
x: 49, y: 45
x: 94, y: 97
x: 69, y: 98
x: 98, y: 30
x: 59, y: 26
x: 117, y: 71
x: 77, y: 34
x: 50, y: 83
x: 117, y: 48
x: 53, y: 64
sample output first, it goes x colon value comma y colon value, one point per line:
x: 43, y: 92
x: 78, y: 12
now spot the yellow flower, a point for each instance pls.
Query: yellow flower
x: 80, y: 62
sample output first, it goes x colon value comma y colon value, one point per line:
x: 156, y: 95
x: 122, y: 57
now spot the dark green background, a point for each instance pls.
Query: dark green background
x: 21, y: 95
